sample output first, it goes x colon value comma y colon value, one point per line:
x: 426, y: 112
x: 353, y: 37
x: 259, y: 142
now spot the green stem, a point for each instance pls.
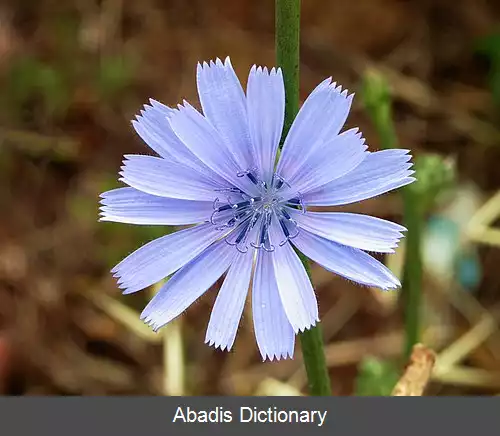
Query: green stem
x: 311, y: 342
x: 378, y: 104
x: 287, y: 57
x: 412, y: 273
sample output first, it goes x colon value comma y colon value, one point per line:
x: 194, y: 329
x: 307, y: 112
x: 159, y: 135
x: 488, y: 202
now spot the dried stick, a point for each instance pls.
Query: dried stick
x: 417, y: 373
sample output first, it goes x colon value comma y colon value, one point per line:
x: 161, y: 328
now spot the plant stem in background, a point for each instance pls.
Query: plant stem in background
x: 173, y: 355
x: 377, y: 100
x: 287, y: 57
x: 412, y: 272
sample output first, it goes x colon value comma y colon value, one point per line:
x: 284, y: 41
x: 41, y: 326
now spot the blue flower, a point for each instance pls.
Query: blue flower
x: 218, y: 171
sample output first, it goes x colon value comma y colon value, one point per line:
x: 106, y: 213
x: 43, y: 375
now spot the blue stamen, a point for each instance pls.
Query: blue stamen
x: 246, y: 212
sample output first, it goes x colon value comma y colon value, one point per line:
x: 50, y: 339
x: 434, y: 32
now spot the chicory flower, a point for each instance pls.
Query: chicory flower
x: 217, y: 171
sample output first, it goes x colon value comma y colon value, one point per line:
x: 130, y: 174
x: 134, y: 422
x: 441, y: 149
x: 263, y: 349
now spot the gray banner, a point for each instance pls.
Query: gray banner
x: 86, y: 416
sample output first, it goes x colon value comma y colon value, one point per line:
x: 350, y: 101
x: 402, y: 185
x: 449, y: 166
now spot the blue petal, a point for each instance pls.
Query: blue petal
x: 266, y: 111
x: 320, y: 118
x: 158, y: 176
x: 347, y: 262
x: 294, y: 287
x: 228, y: 307
x: 188, y: 284
x: 163, y: 256
x: 274, y: 333
x: 205, y: 142
x: 153, y: 127
x: 223, y: 103
x: 330, y: 161
x: 379, y: 173
x: 128, y: 205
x: 358, y: 231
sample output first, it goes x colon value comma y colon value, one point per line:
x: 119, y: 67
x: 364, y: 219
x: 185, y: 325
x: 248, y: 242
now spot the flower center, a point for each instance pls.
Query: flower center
x: 247, y: 219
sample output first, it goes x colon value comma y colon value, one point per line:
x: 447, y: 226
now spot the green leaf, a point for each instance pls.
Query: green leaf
x: 376, y: 377
x: 435, y: 177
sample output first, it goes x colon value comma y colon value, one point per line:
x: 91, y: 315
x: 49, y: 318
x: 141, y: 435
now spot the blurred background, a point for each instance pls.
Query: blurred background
x: 73, y: 74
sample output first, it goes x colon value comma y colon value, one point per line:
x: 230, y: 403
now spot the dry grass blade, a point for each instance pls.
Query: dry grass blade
x: 124, y: 315
x: 417, y: 373
x: 271, y: 387
x: 468, y: 377
x: 461, y: 348
x: 173, y: 360
x: 480, y: 227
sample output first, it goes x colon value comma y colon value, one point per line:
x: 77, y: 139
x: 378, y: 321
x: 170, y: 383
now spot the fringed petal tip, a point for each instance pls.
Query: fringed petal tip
x: 125, y: 286
x: 399, y: 228
x: 302, y: 329
x: 401, y: 151
x: 277, y: 356
x: 127, y: 157
x: 151, y: 322
x: 103, y: 213
x: 181, y: 108
x: 274, y: 71
x: 120, y: 282
x: 218, y: 345
x: 149, y: 112
x: 105, y: 219
x: 155, y: 104
x: 201, y: 66
x: 130, y: 159
x: 108, y: 197
x: 329, y: 85
x: 324, y: 84
x: 393, y: 284
x: 118, y: 275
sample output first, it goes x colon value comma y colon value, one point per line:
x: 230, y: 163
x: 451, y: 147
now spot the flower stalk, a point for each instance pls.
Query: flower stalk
x: 287, y: 57
x: 377, y: 101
